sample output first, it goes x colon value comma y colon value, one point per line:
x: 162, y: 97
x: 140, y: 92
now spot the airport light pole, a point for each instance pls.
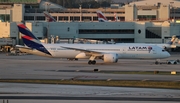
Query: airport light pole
x: 47, y: 9
x: 6, y: 15
x: 80, y: 8
x: 174, y: 12
x: 172, y: 7
x: 89, y: 5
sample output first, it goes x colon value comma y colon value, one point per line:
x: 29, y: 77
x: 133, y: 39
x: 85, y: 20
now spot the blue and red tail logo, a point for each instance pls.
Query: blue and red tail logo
x: 101, y: 17
x: 30, y: 40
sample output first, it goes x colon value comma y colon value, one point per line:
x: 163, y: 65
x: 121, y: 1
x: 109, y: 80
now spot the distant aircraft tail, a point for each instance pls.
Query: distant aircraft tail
x: 49, y: 17
x: 30, y: 40
x: 172, y: 41
x: 101, y: 17
x: 116, y: 17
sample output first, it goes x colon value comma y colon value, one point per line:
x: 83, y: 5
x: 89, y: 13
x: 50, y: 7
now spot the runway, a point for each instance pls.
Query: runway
x: 35, y: 67
x: 20, y: 91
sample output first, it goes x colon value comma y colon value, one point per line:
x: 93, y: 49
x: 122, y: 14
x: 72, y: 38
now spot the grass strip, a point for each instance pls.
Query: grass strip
x: 147, y: 84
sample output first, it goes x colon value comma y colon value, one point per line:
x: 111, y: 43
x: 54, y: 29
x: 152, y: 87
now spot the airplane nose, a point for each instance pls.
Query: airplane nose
x: 167, y: 54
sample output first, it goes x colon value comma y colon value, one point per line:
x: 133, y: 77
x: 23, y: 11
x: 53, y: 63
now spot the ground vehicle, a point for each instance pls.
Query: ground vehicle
x: 172, y: 61
x: 168, y: 62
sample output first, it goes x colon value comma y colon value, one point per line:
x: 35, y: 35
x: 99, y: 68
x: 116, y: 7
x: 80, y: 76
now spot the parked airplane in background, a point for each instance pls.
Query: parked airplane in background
x: 110, y: 53
x: 49, y: 17
x: 116, y: 17
x: 101, y: 17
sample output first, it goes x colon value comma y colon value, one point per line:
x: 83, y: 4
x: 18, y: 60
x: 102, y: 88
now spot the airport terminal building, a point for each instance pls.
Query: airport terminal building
x: 139, y: 22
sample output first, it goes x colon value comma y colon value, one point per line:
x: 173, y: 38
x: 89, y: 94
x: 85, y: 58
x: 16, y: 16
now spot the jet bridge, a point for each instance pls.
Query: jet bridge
x: 6, y: 44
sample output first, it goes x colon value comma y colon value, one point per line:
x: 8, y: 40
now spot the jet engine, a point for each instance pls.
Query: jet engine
x: 110, y: 58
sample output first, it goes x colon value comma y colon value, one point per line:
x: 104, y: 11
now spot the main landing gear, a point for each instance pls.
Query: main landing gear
x: 91, y: 62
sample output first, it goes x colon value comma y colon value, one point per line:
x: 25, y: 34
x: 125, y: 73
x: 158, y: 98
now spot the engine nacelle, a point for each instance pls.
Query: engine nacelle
x: 110, y: 58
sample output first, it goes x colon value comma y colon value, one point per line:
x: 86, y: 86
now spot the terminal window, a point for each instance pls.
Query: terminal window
x: 4, y: 17
x: 106, y: 31
x: 63, y: 18
x: 28, y: 17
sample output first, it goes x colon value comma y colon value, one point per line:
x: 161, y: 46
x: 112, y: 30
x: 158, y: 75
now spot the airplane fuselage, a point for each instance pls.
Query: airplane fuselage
x: 123, y: 51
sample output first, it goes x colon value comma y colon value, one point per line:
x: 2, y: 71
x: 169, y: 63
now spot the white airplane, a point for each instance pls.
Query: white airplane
x: 110, y: 53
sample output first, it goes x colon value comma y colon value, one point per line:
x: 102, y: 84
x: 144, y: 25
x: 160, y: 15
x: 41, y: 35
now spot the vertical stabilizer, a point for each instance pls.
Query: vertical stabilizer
x: 30, y: 40
x: 101, y: 17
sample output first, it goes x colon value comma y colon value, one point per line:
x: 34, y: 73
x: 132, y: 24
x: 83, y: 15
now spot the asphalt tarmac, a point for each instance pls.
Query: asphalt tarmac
x: 45, y: 92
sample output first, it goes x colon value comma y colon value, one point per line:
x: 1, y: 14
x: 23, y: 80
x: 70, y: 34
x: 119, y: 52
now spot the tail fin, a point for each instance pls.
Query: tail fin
x: 49, y: 17
x: 115, y: 17
x: 172, y: 41
x: 30, y: 40
x: 101, y: 17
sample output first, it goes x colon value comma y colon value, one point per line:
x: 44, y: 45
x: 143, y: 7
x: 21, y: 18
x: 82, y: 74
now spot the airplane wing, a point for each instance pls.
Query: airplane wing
x: 92, y: 52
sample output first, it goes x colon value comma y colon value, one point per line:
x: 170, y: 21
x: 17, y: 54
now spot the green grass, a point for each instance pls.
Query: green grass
x: 147, y: 84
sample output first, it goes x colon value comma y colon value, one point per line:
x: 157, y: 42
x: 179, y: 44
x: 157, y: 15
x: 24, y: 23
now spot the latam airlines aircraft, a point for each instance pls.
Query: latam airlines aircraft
x: 110, y: 53
x: 102, y: 18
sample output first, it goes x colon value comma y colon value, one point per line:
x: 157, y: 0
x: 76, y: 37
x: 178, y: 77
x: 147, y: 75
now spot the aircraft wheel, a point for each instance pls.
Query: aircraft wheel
x: 156, y: 62
x: 94, y: 62
x: 89, y: 62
